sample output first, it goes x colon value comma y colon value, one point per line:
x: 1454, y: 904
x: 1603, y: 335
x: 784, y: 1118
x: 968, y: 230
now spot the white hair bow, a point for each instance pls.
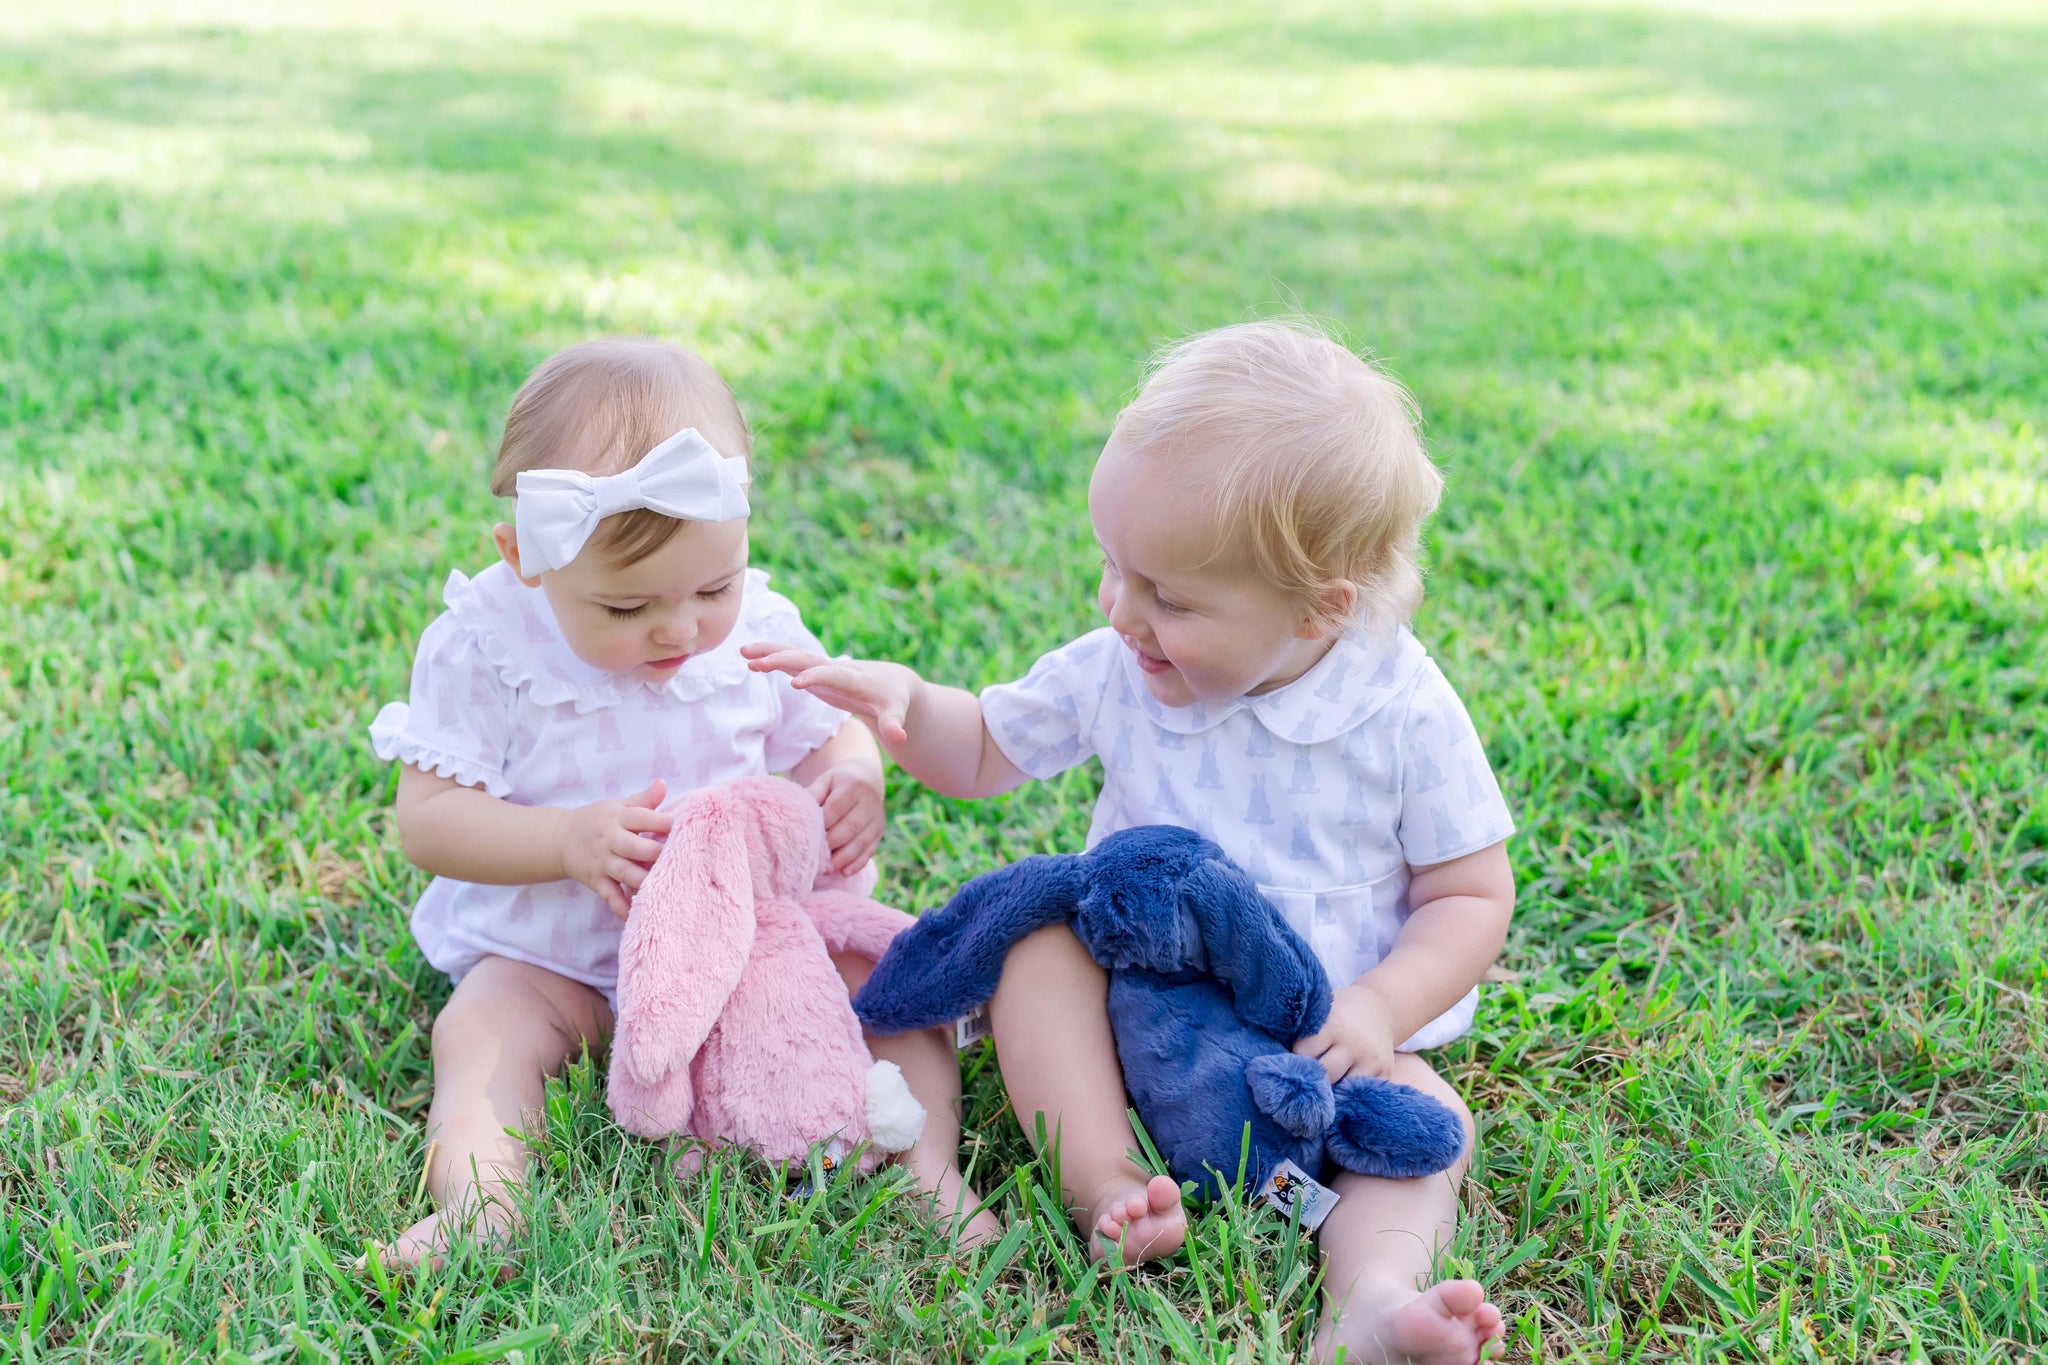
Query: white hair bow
x: 684, y: 477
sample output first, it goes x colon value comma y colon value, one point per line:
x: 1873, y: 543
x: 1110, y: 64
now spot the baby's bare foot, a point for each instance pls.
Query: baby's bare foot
x: 1446, y: 1324
x: 1143, y: 1220
x: 425, y: 1245
x: 955, y: 1204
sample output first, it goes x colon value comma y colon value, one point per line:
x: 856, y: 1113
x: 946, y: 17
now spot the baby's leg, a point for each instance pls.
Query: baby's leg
x: 1379, y: 1246
x: 508, y: 1026
x: 931, y: 1067
x: 1051, y: 1021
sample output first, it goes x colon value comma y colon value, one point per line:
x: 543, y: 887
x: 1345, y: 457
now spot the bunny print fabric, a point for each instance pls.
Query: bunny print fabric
x: 1327, y: 791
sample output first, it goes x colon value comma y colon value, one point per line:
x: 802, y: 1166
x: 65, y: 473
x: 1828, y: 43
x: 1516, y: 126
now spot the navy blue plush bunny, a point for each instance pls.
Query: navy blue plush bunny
x: 1208, y: 989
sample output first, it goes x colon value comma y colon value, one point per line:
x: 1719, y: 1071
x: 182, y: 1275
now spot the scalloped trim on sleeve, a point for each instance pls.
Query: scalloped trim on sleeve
x: 391, y: 743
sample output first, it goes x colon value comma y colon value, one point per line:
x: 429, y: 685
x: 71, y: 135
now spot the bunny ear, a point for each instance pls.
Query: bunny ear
x: 1278, y: 983
x: 947, y: 963
x: 689, y: 936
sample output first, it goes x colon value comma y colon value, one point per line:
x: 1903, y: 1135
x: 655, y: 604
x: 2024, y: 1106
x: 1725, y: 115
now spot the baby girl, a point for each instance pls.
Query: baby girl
x: 565, y: 694
x: 1259, y: 509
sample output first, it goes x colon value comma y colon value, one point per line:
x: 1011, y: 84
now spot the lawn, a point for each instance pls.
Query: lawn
x: 1730, y: 325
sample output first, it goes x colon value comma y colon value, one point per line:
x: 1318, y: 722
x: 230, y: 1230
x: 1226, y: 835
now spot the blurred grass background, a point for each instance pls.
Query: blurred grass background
x: 1730, y: 325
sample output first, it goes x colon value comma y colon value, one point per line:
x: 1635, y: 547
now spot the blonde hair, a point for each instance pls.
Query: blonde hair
x: 1317, y: 466
x: 599, y: 406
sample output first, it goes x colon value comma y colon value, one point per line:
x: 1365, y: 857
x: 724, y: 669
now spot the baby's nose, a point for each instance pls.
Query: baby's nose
x: 1125, y: 619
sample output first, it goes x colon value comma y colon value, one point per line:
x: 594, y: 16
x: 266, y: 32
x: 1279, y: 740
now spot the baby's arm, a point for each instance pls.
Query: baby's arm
x: 934, y: 733
x: 465, y: 833
x: 1456, y: 927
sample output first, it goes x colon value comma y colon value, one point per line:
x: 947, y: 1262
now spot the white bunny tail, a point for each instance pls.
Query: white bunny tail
x: 895, y: 1118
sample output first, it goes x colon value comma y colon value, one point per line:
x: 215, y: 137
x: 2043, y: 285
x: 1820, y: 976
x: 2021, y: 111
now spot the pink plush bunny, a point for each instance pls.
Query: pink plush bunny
x: 733, y: 1024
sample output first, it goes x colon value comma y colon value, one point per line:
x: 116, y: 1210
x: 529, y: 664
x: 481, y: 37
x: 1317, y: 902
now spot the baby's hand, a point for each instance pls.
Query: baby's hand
x: 1358, y: 1037
x: 879, y: 693
x: 605, y: 844
x: 850, y: 795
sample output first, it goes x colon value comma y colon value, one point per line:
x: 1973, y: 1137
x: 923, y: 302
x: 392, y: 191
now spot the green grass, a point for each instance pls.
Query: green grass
x: 1731, y: 328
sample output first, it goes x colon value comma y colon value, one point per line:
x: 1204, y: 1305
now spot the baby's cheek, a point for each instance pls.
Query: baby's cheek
x: 592, y: 644
x: 714, y: 630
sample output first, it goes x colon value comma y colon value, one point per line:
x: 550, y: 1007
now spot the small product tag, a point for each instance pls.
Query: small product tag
x: 1291, y: 1190
x: 829, y: 1158
x: 972, y: 1029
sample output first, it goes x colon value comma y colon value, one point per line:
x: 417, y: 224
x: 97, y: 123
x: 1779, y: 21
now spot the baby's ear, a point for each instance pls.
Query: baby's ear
x: 1329, y: 611
x: 507, y: 541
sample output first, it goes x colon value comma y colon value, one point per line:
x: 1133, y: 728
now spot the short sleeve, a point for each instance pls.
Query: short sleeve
x: 802, y: 722
x: 1451, y: 803
x: 1045, y: 721
x: 458, y: 721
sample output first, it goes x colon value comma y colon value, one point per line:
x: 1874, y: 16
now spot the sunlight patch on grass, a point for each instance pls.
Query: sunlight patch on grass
x: 1997, y: 498
x: 1279, y: 181
x: 1338, y: 101
x: 1835, y: 14
x: 683, y: 291
x: 826, y: 140
x: 1998, y: 572
x: 1687, y: 109
x: 1633, y: 172
x: 129, y: 17
x: 43, y: 152
x: 1976, y: 514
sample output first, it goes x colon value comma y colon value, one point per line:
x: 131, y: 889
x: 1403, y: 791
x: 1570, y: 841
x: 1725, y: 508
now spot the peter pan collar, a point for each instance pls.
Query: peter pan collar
x: 517, y: 632
x: 1347, y: 686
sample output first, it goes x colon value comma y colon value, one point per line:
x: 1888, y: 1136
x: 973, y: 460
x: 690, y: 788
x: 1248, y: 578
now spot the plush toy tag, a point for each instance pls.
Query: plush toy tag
x: 1291, y: 1190
x: 971, y: 1030
x: 829, y: 1158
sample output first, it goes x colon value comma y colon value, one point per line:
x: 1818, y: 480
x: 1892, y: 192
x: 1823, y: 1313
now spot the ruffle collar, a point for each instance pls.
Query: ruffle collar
x: 517, y: 632
x: 1348, y: 685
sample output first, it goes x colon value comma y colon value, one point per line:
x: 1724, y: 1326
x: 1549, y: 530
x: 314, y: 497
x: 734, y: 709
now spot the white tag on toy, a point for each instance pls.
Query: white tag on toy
x: 1291, y: 1190
x: 829, y: 1158
x: 971, y: 1030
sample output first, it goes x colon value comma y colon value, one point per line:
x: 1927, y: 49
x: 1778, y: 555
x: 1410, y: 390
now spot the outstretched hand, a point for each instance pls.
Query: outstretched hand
x: 879, y: 693
x: 606, y: 844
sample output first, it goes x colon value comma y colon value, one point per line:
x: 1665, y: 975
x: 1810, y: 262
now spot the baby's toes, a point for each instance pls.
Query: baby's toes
x: 1462, y: 1298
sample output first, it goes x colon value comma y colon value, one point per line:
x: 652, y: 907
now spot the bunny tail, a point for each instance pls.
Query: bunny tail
x: 1393, y: 1131
x: 1293, y: 1091
x: 895, y: 1118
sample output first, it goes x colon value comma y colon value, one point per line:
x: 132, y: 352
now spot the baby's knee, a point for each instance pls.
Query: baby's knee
x: 1463, y: 1164
x: 853, y: 969
x: 1050, y: 954
x: 497, y: 1008
x: 464, y: 1024
x: 1411, y: 1070
x: 1455, y: 1102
